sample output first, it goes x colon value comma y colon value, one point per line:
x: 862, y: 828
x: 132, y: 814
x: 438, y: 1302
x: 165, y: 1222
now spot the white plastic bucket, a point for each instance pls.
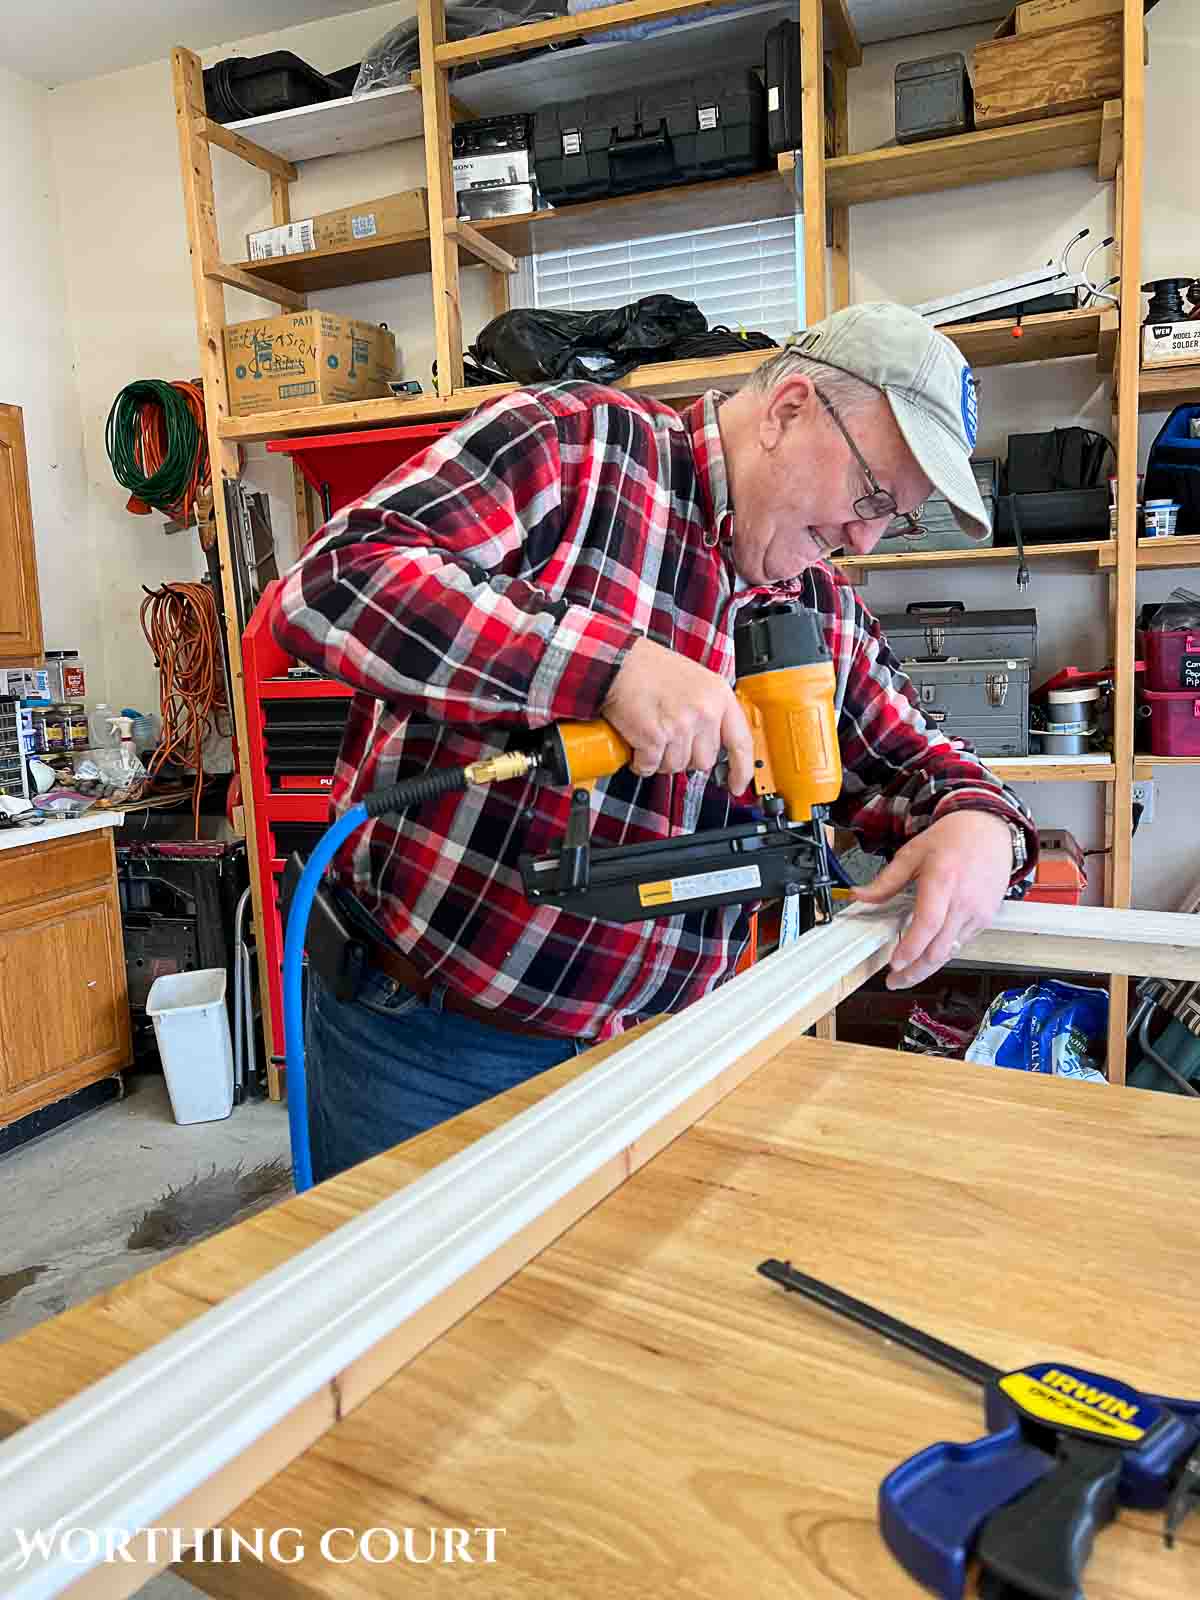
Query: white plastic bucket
x: 192, y: 1029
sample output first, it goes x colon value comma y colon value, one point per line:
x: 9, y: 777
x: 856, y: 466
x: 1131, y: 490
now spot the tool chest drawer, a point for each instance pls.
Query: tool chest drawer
x: 984, y: 702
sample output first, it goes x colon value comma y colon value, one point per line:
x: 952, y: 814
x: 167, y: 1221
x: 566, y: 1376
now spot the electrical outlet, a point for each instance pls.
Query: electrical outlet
x: 1143, y: 795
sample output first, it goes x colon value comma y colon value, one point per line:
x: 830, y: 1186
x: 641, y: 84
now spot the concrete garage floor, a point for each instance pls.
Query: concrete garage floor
x: 121, y: 1188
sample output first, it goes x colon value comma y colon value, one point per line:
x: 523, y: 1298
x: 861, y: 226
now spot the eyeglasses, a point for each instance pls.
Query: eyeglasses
x: 879, y: 503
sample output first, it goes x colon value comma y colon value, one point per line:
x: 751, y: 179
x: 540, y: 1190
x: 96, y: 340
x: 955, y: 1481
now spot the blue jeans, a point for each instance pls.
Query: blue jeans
x: 391, y: 1063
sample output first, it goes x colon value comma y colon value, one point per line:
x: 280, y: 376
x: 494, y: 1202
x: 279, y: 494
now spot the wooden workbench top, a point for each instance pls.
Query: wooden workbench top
x: 646, y: 1416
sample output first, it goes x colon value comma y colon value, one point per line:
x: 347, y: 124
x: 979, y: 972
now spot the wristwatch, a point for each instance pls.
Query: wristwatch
x: 1019, y: 852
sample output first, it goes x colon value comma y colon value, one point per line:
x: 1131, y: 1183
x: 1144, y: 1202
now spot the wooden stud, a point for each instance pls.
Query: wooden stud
x: 812, y: 157
x: 281, y: 200
x: 443, y: 248
x: 1111, y: 128
x: 839, y: 216
x: 196, y: 167
x: 499, y: 284
x: 216, y: 133
x: 480, y: 247
x: 1130, y: 179
x: 302, y: 503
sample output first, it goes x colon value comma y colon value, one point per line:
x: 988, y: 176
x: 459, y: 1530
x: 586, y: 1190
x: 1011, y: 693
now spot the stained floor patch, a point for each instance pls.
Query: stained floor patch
x: 208, y: 1202
x: 11, y: 1283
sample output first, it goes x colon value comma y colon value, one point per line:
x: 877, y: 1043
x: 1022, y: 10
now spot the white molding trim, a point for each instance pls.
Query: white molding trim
x: 158, y: 1443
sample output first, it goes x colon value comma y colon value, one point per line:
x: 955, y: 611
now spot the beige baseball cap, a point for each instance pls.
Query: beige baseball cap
x: 930, y: 388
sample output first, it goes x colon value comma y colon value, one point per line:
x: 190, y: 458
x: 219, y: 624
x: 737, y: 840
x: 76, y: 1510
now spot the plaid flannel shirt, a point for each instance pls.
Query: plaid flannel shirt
x: 494, y: 584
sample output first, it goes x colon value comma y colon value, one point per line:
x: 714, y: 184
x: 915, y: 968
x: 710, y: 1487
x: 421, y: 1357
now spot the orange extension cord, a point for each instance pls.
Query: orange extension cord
x: 182, y: 629
x: 151, y: 446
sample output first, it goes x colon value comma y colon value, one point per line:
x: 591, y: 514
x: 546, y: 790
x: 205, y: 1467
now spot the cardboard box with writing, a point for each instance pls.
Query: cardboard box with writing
x: 305, y: 358
x: 405, y: 212
x: 1049, y: 73
x: 1033, y: 16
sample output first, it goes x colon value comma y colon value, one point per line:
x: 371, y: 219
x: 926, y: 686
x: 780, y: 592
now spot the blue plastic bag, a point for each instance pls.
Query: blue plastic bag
x: 1051, y: 1027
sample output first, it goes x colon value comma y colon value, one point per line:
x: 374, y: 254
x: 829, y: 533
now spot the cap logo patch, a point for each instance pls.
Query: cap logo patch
x: 970, y: 407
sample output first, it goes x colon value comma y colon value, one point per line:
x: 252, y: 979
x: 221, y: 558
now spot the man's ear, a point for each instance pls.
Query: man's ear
x: 786, y: 404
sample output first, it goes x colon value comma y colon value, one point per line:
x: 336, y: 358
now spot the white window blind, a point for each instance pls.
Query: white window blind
x: 741, y: 275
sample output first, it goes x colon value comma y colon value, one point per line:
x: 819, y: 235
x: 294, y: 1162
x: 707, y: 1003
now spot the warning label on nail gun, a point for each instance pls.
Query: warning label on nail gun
x: 699, y: 885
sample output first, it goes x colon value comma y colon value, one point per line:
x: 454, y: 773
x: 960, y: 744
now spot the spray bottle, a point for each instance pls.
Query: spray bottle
x: 125, y: 765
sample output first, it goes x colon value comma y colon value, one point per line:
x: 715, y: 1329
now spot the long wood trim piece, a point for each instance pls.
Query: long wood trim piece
x: 217, y: 133
x: 1162, y: 944
x: 171, y: 1429
x: 185, y: 1431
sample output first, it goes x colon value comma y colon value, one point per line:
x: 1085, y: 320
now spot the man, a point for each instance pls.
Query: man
x: 572, y: 552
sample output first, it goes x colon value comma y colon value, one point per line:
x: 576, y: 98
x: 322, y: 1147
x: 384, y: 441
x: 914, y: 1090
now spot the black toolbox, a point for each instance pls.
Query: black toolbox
x: 933, y: 98
x: 240, y: 87
x: 1060, y: 516
x: 781, y: 76
x: 688, y: 131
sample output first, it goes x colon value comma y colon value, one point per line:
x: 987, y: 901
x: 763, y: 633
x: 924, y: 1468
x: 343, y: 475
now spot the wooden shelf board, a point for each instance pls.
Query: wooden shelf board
x: 561, y: 30
x: 1181, y: 550
x: 1144, y: 767
x: 337, y: 127
x: 1160, y: 388
x: 984, y: 156
x: 1046, y: 337
x: 1054, y: 769
x: 1086, y: 555
x: 668, y: 379
x: 689, y: 207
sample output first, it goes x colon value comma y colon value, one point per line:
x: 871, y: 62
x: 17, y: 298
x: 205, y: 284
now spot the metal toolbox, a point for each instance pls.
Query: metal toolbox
x: 983, y: 702
x: 944, y: 630
x: 938, y: 529
x: 933, y: 98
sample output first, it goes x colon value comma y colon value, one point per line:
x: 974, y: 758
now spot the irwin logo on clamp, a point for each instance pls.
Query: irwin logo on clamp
x: 1099, y: 1398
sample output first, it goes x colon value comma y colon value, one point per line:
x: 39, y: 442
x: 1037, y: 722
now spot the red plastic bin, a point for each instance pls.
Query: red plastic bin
x: 1164, y: 653
x: 1174, y: 722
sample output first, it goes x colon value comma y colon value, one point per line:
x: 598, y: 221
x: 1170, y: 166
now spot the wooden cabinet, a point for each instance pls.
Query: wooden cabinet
x: 64, y: 1017
x: 20, y: 604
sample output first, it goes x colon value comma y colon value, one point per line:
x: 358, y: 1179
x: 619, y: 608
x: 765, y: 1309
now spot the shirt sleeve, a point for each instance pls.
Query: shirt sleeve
x: 423, y: 593
x: 899, y: 773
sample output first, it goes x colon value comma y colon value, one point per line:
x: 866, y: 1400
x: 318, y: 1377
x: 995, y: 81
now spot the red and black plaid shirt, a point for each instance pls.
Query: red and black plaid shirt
x: 495, y: 583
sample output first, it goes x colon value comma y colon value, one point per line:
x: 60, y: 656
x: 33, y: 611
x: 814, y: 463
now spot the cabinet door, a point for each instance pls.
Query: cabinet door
x: 20, y: 606
x: 64, y: 1021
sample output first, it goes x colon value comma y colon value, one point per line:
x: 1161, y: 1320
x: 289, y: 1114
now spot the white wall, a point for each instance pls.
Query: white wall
x: 37, y: 372
x: 130, y: 288
x: 916, y: 248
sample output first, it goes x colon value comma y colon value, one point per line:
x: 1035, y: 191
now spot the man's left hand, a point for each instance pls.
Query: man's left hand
x: 961, y: 866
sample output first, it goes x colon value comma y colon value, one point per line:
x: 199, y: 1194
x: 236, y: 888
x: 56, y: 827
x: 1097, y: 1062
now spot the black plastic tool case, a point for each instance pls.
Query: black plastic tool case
x: 781, y: 74
x: 689, y: 131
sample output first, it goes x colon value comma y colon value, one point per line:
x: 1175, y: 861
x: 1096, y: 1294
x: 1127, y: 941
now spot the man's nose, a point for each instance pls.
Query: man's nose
x: 862, y: 537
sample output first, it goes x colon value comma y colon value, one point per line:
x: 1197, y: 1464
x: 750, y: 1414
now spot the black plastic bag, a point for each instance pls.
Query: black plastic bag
x: 597, y: 346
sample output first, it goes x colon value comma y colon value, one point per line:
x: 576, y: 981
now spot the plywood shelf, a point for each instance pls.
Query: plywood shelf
x: 1144, y: 767
x: 1046, y: 337
x: 689, y: 207
x: 1160, y: 388
x: 667, y: 379
x: 1182, y: 550
x: 337, y: 127
x: 1088, y: 556
x: 1054, y: 769
x: 985, y: 156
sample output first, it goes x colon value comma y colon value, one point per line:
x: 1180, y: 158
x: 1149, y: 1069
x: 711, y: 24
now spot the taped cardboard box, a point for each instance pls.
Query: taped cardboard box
x: 305, y: 358
x: 1048, y: 74
x: 405, y: 212
x: 1033, y: 16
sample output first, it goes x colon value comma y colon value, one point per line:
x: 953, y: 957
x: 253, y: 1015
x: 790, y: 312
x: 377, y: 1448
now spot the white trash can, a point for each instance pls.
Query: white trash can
x: 192, y: 1029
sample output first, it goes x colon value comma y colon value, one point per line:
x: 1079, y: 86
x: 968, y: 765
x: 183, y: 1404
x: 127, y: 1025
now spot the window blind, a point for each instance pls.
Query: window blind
x: 741, y: 275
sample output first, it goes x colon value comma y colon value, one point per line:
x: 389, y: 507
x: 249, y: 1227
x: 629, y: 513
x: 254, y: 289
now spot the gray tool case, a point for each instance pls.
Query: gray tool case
x: 984, y: 702
x: 944, y: 630
x: 938, y: 528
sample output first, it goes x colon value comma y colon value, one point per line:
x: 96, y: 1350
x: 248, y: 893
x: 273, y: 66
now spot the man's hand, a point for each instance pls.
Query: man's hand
x: 961, y: 866
x: 677, y: 715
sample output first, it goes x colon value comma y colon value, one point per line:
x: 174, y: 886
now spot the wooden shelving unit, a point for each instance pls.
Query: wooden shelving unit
x: 1108, y: 141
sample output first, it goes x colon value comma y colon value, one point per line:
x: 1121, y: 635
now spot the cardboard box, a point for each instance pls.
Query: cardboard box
x: 1033, y: 16
x: 1165, y: 344
x: 1048, y: 74
x: 405, y: 212
x: 305, y: 358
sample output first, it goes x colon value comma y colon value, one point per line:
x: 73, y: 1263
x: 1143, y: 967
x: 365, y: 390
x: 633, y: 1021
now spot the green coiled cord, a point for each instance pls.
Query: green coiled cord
x: 154, y: 443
